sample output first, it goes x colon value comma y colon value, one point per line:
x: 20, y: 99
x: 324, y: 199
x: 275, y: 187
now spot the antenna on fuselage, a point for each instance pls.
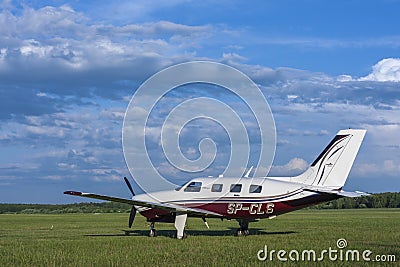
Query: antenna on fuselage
x: 248, y: 172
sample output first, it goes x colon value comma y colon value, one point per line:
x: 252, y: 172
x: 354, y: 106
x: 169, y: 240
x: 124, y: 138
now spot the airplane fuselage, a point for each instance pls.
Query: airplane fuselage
x: 234, y: 198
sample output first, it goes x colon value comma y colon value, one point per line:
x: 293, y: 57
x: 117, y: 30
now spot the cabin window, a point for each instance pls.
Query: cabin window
x: 255, y: 188
x: 216, y: 188
x: 193, y: 187
x: 236, y: 188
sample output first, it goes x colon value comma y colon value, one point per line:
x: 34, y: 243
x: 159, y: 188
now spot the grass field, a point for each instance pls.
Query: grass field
x: 98, y: 240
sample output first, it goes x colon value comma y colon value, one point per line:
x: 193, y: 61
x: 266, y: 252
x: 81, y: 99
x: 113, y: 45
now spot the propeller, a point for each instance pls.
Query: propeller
x: 132, y: 214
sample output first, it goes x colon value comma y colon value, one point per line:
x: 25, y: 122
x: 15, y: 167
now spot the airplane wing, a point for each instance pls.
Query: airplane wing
x: 342, y: 193
x: 154, y: 205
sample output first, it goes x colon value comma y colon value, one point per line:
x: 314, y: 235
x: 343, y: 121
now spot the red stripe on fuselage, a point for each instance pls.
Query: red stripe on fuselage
x: 238, y: 209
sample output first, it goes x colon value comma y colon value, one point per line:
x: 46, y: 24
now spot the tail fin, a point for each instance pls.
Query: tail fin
x: 333, y: 165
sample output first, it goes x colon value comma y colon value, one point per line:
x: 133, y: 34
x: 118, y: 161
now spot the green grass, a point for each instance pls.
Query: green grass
x: 98, y: 240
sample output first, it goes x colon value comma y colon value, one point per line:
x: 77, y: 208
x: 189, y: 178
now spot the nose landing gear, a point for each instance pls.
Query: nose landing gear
x: 153, y: 231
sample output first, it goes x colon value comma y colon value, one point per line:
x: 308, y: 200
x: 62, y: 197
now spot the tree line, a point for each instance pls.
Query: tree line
x: 84, y: 207
x: 382, y: 200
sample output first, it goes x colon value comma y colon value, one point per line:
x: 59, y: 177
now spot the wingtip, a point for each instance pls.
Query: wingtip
x: 74, y: 193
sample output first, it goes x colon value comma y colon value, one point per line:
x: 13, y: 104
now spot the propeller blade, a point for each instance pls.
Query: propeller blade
x: 132, y: 216
x: 129, y: 185
x: 133, y: 210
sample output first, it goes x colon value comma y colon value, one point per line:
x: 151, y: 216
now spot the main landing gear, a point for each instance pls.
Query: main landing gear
x: 243, y: 230
x: 180, y: 221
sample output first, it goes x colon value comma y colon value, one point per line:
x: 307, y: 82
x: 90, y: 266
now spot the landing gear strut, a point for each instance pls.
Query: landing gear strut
x: 180, y: 221
x: 153, y: 231
x: 243, y: 230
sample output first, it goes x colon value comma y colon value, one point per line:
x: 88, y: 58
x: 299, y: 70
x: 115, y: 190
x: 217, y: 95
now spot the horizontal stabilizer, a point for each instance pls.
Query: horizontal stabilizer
x: 342, y: 193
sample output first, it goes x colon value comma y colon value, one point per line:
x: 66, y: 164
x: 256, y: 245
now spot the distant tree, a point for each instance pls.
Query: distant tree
x: 382, y: 200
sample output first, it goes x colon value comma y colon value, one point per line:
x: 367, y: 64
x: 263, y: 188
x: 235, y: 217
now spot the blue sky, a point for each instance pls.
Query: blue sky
x: 69, y: 68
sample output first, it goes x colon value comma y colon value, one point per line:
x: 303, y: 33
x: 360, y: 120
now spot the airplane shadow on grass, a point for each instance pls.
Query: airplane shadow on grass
x: 171, y: 233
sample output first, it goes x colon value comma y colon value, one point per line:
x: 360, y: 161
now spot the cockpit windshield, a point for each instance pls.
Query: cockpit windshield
x: 180, y: 187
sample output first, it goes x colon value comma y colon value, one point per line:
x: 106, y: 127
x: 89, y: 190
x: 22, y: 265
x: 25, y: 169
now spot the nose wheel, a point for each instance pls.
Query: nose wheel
x: 153, y: 231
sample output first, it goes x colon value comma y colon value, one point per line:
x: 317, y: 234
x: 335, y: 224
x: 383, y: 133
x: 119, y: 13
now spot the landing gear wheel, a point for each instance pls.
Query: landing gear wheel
x: 153, y: 233
x: 241, y: 232
x: 182, y: 237
x: 238, y: 232
x: 243, y: 228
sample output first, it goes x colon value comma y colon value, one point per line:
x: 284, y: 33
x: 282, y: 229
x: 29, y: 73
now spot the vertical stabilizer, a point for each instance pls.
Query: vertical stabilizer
x: 333, y: 165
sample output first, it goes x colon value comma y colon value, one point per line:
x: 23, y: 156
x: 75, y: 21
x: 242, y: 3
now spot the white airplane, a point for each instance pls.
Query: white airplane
x: 249, y: 199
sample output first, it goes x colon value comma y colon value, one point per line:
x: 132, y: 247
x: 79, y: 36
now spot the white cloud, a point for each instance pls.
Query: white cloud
x: 344, y: 78
x: 33, y: 48
x: 293, y: 167
x: 324, y: 132
x: 389, y: 167
x: 386, y: 136
x: 163, y: 27
x: 3, y: 53
x: 386, y: 70
x: 230, y: 58
x: 57, y: 41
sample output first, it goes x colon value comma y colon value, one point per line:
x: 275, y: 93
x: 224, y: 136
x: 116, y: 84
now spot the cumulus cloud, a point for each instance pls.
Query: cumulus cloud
x: 55, y: 58
x: 232, y: 58
x: 294, y: 167
x: 80, y: 144
x: 386, y: 70
x: 60, y: 43
x: 389, y: 166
